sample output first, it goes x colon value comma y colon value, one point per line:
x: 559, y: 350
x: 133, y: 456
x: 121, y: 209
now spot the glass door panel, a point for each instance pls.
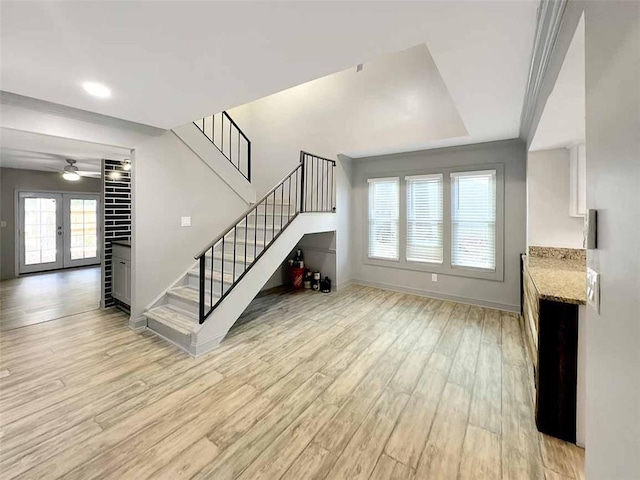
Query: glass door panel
x: 81, y: 230
x: 40, y: 232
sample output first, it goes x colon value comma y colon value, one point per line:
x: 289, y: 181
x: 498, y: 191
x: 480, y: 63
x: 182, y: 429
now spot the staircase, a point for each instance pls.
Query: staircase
x: 197, y: 311
x: 227, y: 137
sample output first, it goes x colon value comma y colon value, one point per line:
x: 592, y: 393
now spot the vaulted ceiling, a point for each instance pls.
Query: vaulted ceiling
x: 168, y: 63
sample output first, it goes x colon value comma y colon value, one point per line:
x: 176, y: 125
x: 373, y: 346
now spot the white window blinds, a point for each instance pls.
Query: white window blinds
x: 384, y: 198
x: 473, y: 219
x: 424, y: 218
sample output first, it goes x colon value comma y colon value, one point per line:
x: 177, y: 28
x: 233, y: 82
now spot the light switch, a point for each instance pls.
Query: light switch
x: 593, y: 289
x: 3, y: 224
x: 434, y: 277
x: 185, y: 221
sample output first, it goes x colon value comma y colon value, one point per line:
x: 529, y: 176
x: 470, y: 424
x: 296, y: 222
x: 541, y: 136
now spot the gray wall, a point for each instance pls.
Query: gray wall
x: 612, y: 39
x: 12, y: 179
x: 503, y: 294
x: 170, y: 181
x: 548, y: 221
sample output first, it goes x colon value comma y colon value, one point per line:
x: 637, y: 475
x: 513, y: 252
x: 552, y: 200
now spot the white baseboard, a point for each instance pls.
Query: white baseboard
x: 344, y: 284
x: 138, y: 324
x: 440, y: 296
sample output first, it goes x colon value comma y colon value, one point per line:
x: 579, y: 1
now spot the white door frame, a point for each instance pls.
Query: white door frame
x: 19, y: 247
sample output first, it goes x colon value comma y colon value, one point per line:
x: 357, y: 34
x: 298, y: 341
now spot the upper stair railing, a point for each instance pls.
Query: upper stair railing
x: 310, y: 187
x: 227, y: 137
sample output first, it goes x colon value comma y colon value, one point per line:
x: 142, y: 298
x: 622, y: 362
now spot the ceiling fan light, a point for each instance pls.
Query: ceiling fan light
x: 71, y: 176
x: 126, y: 165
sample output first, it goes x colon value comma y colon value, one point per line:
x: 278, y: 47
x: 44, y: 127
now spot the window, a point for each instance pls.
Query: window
x: 447, y: 220
x: 424, y: 218
x: 473, y: 219
x: 384, y: 196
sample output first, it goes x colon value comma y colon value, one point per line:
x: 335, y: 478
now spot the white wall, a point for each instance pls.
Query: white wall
x: 613, y: 188
x: 170, y: 181
x: 396, y: 103
x: 548, y: 220
x: 502, y: 294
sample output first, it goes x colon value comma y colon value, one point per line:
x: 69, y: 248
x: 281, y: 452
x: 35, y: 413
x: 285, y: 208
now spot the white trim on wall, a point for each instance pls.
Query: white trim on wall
x: 439, y: 296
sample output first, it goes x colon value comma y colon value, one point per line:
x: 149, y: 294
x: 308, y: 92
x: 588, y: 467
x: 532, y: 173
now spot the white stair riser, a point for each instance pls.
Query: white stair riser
x: 254, y: 234
x: 183, y: 303
x: 275, y: 210
x: 228, y: 264
x: 252, y: 252
x: 169, y: 333
x: 194, y: 281
x: 188, y: 305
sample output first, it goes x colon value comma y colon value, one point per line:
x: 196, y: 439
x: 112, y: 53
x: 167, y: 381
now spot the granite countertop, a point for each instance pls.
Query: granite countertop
x: 558, y: 279
x: 124, y: 243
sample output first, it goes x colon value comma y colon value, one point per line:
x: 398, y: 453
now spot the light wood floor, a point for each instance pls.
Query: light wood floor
x: 42, y: 297
x: 363, y: 383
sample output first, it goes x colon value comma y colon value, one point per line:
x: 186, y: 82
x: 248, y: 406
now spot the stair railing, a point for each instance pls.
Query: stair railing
x: 227, y: 137
x: 310, y: 187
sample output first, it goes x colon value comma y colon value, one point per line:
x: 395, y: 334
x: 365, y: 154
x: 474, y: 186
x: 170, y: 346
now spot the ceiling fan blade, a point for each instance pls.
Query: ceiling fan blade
x: 85, y: 173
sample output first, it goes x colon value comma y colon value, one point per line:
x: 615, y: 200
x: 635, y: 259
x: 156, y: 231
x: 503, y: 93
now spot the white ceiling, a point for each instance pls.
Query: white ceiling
x: 32, y: 151
x: 562, y: 123
x: 171, y: 62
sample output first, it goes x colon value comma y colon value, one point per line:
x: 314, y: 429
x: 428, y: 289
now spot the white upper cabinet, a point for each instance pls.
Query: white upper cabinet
x: 577, y: 181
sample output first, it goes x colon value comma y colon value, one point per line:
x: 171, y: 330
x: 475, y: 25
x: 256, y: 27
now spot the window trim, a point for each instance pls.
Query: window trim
x: 445, y: 268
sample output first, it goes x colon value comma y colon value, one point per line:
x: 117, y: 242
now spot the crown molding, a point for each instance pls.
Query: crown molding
x: 556, y: 26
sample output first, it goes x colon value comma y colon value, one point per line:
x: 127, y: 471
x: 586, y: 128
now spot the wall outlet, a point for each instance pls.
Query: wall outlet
x: 593, y: 289
x: 434, y: 277
x: 185, y: 221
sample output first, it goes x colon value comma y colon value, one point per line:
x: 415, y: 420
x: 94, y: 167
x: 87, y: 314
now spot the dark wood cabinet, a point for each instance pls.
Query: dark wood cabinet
x: 557, y: 372
x: 551, y: 337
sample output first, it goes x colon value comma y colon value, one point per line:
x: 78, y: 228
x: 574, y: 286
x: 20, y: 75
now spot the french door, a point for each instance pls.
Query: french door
x: 57, y: 230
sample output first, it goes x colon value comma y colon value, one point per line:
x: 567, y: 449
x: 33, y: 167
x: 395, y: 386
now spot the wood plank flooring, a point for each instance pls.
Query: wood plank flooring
x: 46, y: 296
x: 361, y: 383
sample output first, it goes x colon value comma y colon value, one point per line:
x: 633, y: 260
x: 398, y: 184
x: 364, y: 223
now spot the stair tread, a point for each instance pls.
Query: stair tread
x: 240, y: 240
x: 217, y: 276
x: 277, y: 202
x: 228, y: 257
x: 189, y: 293
x: 177, y: 319
x: 270, y: 225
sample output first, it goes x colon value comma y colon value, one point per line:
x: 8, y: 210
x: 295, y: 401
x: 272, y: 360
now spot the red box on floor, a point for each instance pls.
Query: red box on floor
x: 296, y: 275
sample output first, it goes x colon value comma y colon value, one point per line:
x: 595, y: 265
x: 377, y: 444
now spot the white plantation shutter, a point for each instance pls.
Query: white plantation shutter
x: 473, y: 219
x: 384, y: 201
x: 424, y: 218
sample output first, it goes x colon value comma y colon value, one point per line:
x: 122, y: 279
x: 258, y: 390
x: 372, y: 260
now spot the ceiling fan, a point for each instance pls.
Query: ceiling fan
x: 72, y: 173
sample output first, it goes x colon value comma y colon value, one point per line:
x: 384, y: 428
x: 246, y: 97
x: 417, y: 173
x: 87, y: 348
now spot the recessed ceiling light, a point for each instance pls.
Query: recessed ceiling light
x: 97, y: 89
